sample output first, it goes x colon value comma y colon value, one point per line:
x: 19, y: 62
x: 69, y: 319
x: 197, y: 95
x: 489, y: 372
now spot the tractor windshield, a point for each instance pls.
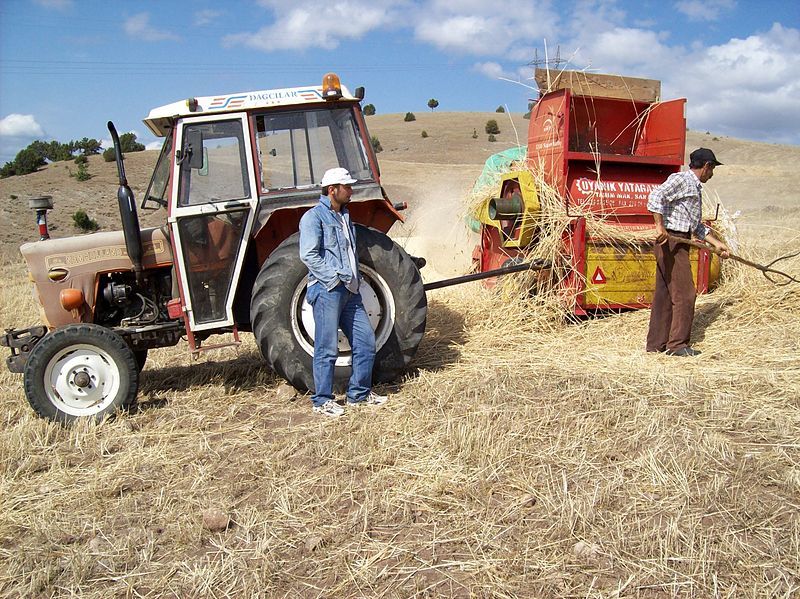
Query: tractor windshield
x: 296, y: 148
x: 157, y: 190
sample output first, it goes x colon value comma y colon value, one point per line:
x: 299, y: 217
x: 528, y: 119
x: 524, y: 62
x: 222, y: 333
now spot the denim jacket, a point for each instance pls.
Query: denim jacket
x: 323, y: 247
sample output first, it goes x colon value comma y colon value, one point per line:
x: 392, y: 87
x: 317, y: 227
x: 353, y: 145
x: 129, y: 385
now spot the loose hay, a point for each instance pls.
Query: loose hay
x: 527, y: 457
x: 520, y: 460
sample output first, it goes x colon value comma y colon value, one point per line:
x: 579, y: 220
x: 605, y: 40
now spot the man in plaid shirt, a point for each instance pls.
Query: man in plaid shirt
x: 677, y: 209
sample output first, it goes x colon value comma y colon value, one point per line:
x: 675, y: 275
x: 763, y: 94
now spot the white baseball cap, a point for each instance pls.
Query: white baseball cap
x: 337, y: 176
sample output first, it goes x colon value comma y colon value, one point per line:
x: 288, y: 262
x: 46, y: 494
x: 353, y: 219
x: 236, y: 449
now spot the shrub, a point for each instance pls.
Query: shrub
x: 527, y: 115
x: 500, y: 109
x: 376, y: 144
x: 492, y: 138
x: 83, y: 222
x: 433, y: 103
x: 474, y: 134
x: 409, y: 117
x: 424, y: 133
x: 109, y: 155
x: 491, y: 127
x: 369, y: 110
x: 82, y: 173
x: 13, y: 196
x: 81, y: 159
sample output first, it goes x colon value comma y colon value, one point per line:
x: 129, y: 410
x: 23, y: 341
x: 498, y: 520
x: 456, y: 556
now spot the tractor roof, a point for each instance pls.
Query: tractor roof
x: 161, y: 119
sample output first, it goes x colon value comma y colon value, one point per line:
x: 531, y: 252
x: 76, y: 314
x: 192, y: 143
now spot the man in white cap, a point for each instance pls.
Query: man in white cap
x: 328, y: 249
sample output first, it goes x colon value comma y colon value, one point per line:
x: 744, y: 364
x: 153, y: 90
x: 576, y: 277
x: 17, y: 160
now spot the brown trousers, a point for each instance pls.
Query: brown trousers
x: 672, y: 311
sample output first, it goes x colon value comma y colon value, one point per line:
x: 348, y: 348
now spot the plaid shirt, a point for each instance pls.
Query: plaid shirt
x: 680, y: 201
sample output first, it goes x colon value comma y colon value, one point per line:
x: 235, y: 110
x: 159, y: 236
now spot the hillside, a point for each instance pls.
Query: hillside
x: 432, y: 174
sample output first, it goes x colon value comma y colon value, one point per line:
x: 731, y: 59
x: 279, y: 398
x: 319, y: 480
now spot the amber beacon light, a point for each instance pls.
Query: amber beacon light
x: 331, y: 87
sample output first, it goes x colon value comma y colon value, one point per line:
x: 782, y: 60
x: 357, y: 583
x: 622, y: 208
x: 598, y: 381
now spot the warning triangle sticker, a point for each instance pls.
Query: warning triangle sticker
x: 599, y: 277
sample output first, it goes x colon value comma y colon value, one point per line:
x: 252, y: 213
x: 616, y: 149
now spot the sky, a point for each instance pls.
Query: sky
x: 69, y: 66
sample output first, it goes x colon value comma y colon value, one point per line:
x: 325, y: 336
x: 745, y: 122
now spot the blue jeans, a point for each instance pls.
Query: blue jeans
x: 334, y: 309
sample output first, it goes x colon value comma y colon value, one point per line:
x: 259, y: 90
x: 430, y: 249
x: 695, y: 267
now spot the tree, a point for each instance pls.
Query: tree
x: 500, y: 109
x: 128, y: 143
x: 27, y: 161
x: 88, y: 147
x: 369, y: 110
x: 491, y: 127
x: 433, y: 103
x: 8, y: 170
x: 409, y: 117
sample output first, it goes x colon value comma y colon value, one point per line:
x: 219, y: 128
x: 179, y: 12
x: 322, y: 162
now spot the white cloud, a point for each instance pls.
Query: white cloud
x: 481, y: 28
x: 138, y: 26
x: 16, y: 132
x: 316, y: 23
x: 20, y: 125
x: 154, y: 145
x: 206, y: 17
x: 492, y: 70
x: 747, y: 87
x: 707, y: 10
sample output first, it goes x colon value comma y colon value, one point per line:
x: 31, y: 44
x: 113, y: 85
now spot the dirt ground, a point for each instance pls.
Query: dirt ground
x: 513, y: 461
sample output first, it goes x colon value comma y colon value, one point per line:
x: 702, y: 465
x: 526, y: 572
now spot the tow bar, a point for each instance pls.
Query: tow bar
x: 538, y: 264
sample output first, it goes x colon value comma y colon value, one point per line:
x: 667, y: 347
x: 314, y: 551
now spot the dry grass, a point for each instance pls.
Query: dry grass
x: 518, y: 461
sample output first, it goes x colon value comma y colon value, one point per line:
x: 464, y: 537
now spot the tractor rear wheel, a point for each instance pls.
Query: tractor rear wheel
x: 81, y: 370
x: 393, y: 296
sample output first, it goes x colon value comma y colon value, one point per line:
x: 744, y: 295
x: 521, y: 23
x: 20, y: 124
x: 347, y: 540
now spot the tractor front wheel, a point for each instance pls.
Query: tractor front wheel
x: 392, y: 292
x: 81, y: 370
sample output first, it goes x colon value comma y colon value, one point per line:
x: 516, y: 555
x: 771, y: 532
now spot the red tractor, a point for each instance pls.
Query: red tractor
x: 235, y: 174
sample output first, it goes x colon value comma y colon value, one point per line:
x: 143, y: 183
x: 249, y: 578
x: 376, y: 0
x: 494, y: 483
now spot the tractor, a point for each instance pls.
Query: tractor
x: 601, y: 143
x: 234, y: 175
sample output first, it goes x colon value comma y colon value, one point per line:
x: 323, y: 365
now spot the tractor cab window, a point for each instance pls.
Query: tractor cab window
x: 157, y: 190
x: 213, y: 163
x: 296, y: 148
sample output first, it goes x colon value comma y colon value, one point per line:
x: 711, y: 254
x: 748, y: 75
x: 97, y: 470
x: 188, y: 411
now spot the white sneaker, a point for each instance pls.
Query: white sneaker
x: 329, y: 408
x: 373, y: 399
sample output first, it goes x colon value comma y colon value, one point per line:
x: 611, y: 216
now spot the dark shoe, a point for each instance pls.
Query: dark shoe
x: 686, y: 352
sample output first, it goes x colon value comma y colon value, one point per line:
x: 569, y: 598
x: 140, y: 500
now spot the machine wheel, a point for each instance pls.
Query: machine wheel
x: 81, y: 370
x: 392, y: 292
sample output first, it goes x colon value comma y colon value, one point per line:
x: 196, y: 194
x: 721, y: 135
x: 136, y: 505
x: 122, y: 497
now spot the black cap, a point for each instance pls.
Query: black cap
x: 701, y: 156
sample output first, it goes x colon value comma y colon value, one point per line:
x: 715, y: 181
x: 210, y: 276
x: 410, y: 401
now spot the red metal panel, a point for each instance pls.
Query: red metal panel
x: 548, y: 134
x: 619, y: 189
x: 664, y: 132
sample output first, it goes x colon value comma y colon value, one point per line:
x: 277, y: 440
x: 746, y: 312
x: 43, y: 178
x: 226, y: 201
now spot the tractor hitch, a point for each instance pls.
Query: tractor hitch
x: 21, y: 342
x: 537, y: 264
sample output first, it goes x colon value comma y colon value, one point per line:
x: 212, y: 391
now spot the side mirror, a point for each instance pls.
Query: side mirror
x: 192, y: 150
x: 359, y: 93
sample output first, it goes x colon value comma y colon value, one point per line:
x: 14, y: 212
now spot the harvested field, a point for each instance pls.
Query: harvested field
x: 524, y: 457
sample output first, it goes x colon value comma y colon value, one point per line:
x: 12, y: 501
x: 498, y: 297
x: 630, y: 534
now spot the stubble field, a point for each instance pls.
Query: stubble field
x: 515, y: 460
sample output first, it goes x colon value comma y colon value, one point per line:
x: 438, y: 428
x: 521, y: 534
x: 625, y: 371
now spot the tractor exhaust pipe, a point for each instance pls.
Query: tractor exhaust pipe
x: 127, y: 210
